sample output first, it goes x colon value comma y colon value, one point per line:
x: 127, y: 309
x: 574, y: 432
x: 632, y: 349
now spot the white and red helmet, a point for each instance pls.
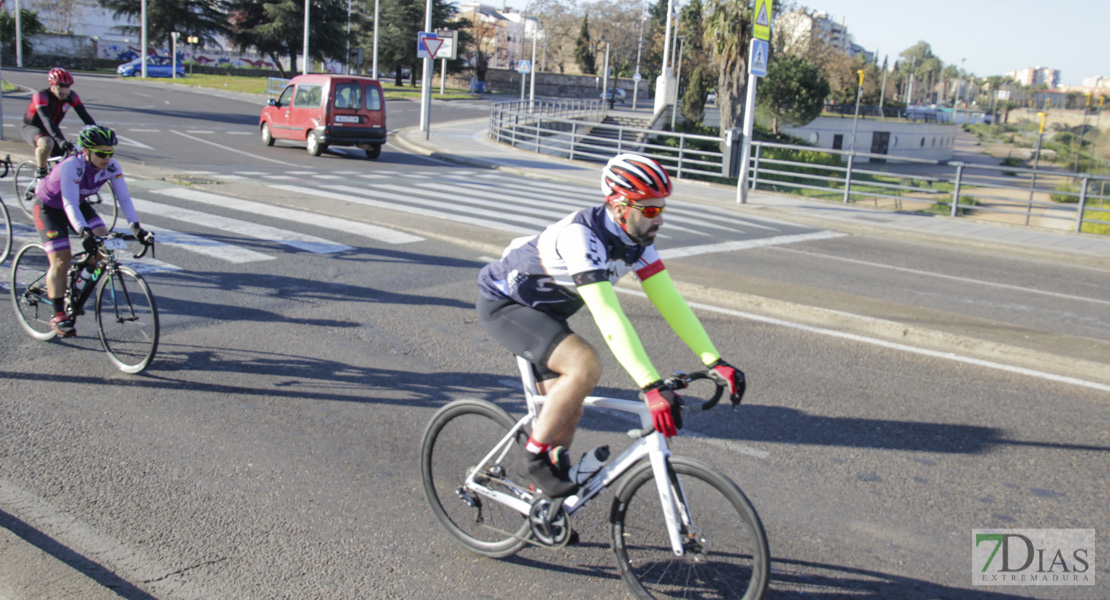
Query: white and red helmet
x: 634, y: 177
x: 59, y: 76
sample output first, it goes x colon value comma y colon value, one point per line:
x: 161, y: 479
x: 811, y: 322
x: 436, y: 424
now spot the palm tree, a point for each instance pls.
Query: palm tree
x: 728, y: 32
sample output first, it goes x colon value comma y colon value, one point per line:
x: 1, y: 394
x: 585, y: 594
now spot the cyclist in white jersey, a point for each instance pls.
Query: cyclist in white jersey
x: 526, y: 298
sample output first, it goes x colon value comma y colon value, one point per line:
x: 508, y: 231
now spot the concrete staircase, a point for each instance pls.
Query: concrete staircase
x: 604, y: 140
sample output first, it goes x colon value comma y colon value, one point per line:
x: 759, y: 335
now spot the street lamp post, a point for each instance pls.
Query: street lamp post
x: 678, y: 80
x: 532, y: 89
x: 1036, y: 162
x: 304, y: 64
x: 639, y: 49
x: 377, y: 9
x: 855, y: 121
x: 605, y: 78
x: 348, y: 37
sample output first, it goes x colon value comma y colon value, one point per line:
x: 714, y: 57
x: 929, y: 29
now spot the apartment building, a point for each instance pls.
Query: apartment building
x: 1036, y: 75
x: 797, y: 28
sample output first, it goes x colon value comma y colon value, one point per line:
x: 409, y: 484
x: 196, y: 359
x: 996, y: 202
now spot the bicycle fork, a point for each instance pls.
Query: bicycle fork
x: 679, y: 523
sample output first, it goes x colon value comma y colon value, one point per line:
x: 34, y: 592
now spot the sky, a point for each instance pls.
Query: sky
x: 994, y: 36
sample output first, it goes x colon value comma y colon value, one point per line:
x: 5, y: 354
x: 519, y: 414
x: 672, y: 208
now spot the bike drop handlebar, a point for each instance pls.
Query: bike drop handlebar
x: 149, y: 245
x: 681, y: 381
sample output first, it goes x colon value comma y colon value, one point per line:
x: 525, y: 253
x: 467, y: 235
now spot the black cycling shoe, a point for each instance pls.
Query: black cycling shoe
x: 549, y: 472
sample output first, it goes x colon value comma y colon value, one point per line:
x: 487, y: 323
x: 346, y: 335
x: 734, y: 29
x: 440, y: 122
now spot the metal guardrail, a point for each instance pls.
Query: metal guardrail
x: 274, y: 87
x: 572, y: 129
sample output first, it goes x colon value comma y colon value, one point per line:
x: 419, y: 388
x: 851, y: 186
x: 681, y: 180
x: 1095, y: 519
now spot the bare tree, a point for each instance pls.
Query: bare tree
x: 59, y: 15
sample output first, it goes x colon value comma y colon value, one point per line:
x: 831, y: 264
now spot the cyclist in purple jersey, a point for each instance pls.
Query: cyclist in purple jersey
x: 45, y: 113
x: 526, y: 298
x: 60, y: 204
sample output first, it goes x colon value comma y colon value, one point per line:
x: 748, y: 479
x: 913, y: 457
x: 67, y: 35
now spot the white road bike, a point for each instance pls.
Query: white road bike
x: 693, y: 534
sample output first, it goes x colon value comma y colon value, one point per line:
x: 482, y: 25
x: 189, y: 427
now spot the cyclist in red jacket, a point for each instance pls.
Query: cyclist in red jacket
x: 47, y: 109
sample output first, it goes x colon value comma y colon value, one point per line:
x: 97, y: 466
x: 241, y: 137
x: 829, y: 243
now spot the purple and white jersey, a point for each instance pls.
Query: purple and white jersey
x: 74, y: 179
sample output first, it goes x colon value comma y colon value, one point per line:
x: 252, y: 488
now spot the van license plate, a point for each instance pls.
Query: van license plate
x: 346, y: 119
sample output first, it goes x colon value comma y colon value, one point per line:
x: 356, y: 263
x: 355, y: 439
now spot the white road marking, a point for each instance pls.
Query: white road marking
x: 351, y: 196
x: 374, y: 232
x: 748, y: 244
x: 1006, y: 286
x: 891, y: 345
x: 301, y: 241
x: 223, y: 147
x: 205, y: 246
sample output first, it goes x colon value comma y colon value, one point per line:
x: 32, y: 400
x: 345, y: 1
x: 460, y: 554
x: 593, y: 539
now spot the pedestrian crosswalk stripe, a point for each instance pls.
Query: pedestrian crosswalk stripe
x: 206, y: 246
x: 408, y: 195
x: 374, y: 232
x: 301, y: 241
x: 352, y: 195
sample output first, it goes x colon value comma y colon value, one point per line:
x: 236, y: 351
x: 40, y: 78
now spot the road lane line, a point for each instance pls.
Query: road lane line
x: 374, y: 232
x: 223, y: 147
x: 748, y: 244
x: 948, y: 277
x: 891, y: 345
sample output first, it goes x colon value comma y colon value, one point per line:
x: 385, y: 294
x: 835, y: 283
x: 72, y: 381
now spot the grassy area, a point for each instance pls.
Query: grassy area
x: 257, y: 85
x: 6, y: 87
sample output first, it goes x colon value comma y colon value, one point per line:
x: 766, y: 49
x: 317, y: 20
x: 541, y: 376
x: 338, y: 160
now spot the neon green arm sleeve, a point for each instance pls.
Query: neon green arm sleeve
x: 662, y: 293
x: 602, y: 301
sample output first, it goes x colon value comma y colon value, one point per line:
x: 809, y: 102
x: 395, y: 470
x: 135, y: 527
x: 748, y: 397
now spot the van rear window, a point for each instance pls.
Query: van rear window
x: 350, y: 96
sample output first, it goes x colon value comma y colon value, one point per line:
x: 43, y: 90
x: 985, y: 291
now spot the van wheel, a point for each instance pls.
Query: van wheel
x: 267, y: 136
x: 314, y: 147
x: 374, y: 151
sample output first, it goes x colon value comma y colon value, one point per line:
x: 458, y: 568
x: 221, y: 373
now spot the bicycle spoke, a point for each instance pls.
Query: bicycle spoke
x: 28, y: 291
x: 128, y: 319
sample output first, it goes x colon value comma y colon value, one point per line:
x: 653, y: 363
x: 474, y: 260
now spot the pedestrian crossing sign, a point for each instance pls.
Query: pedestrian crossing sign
x: 523, y: 66
x: 757, y: 57
x: 761, y: 26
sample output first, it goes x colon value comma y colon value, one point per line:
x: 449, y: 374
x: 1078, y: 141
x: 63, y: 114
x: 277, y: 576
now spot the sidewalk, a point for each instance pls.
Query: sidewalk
x: 465, y: 142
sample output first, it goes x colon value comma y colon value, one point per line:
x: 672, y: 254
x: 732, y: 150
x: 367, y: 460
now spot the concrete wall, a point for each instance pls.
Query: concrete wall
x: 930, y: 141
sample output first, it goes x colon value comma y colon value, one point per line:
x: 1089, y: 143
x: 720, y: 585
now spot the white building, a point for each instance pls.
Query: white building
x: 797, y: 28
x: 1035, y: 76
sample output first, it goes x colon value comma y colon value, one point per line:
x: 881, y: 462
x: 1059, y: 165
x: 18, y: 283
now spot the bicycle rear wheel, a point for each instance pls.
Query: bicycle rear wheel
x: 24, y: 175
x: 5, y: 233
x: 28, y: 280
x: 456, y: 438
x: 726, y: 554
x: 128, y: 319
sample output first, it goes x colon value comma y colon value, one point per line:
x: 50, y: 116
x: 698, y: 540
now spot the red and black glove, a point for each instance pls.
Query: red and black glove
x: 666, y: 412
x: 729, y: 376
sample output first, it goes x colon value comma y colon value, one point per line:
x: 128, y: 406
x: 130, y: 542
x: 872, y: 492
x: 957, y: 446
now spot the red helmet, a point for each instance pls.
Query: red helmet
x: 635, y: 178
x: 59, y: 76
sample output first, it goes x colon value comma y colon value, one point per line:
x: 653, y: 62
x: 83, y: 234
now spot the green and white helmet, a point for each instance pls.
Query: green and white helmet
x: 92, y: 136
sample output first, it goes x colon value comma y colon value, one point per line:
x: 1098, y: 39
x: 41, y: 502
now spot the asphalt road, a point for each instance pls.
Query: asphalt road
x: 270, y: 451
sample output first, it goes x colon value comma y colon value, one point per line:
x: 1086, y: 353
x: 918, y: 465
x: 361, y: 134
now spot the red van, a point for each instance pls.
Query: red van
x: 324, y: 110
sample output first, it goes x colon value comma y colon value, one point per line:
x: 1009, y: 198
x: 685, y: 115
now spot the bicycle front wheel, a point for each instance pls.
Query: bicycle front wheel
x: 456, y: 438
x: 5, y: 233
x: 28, y: 280
x: 106, y: 206
x: 24, y: 175
x: 128, y: 319
x: 726, y: 554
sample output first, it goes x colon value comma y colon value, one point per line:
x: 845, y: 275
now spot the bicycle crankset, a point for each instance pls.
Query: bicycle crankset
x: 550, y: 523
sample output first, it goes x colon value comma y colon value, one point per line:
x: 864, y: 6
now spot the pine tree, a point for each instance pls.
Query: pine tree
x: 583, y: 49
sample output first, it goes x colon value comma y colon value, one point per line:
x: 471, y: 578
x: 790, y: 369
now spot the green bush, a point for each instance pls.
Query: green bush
x: 1013, y: 161
x: 945, y: 208
x: 1065, y: 198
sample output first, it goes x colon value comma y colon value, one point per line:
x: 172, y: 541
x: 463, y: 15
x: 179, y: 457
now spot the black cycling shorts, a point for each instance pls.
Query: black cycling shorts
x: 32, y: 133
x: 529, y: 333
x: 53, y: 225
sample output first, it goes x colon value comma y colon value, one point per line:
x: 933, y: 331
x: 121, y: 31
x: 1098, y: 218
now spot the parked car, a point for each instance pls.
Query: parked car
x: 322, y: 110
x: 608, y: 94
x: 156, y: 66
